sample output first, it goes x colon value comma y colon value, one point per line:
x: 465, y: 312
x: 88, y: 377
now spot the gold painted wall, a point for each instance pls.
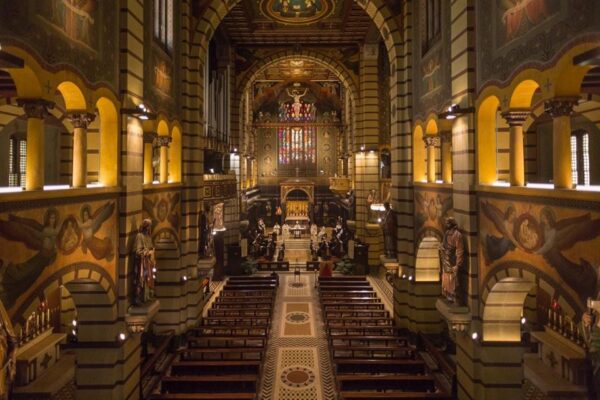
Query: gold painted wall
x: 37, y: 243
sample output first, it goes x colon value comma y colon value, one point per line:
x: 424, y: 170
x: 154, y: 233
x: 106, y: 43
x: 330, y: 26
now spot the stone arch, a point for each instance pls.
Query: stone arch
x: 522, y: 95
x: 504, y: 309
x: 487, y: 113
x: 72, y: 95
x: 418, y: 156
x: 92, y: 289
x: 427, y: 262
x: 109, y: 141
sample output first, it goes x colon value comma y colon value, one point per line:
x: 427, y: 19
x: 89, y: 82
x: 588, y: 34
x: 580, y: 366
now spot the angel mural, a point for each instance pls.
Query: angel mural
x: 544, y: 236
x: 163, y: 209
x: 16, y: 278
x: 518, y: 12
x: 432, y: 209
x: 90, y: 224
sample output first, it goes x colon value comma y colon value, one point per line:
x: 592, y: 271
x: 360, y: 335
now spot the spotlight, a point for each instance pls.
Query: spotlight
x: 122, y: 337
x: 523, y: 320
x: 454, y: 111
x: 74, y: 322
x: 474, y: 335
x: 410, y: 278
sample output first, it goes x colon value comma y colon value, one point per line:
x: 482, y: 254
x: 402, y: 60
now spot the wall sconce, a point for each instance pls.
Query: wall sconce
x: 454, y: 111
x: 141, y: 111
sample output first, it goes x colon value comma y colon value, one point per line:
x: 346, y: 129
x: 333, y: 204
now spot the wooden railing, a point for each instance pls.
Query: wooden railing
x: 155, y: 366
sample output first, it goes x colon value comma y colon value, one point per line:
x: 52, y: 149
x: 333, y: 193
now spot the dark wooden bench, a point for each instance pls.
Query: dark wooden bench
x: 247, y: 286
x: 250, y: 298
x: 255, y: 305
x: 246, y: 293
x: 360, y: 306
x: 253, y: 278
x: 220, y: 330
x: 359, y: 321
x: 350, y: 284
x: 222, y: 354
x: 342, y: 278
x: 215, y: 367
x: 361, y: 340
x: 204, y: 396
x: 374, y: 395
x: 347, y: 294
x: 350, y: 300
x: 402, y: 382
x: 366, y: 330
x: 228, y: 341
x: 372, y: 352
x: 345, y: 288
x: 246, y: 320
x: 356, y: 313
x: 385, y: 366
x: 239, y: 312
x: 246, y: 383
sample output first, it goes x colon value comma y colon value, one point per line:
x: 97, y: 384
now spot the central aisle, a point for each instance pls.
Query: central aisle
x: 297, y: 364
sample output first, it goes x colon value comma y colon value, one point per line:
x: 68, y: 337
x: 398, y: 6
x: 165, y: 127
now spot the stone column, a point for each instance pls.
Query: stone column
x: 35, y: 110
x: 80, y: 123
x: 163, y: 142
x: 515, y: 119
x: 561, y: 109
x: 148, y: 153
x: 430, y: 143
x: 446, y: 137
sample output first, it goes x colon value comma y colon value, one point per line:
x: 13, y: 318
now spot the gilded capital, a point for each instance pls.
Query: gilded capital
x: 560, y: 107
x: 81, y: 119
x: 163, y: 140
x: 516, y: 117
x: 35, y: 108
x: 431, y: 140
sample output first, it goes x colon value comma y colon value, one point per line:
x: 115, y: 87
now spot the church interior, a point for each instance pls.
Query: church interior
x: 300, y: 199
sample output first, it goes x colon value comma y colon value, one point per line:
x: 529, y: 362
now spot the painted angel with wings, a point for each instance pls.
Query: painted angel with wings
x: 15, y: 278
x: 495, y: 247
x: 89, y: 225
x: 562, y: 235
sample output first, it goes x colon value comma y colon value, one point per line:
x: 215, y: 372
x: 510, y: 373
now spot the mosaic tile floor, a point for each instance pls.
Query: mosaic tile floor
x: 297, y: 363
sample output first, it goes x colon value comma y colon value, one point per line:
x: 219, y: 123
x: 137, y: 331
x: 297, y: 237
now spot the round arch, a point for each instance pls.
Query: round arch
x: 522, y: 95
x: 487, y: 113
x: 109, y: 141
x: 175, y: 154
x: 72, y: 95
x: 427, y: 262
x: 418, y: 150
x: 504, y: 309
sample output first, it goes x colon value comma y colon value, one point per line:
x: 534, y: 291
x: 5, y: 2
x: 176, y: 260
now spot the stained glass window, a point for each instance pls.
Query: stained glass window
x: 297, y: 146
x: 580, y: 158
x: 17, y: 161
x: 163, y: 23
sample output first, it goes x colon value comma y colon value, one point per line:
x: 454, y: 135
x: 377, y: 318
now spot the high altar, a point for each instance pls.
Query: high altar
x: 297, y: 210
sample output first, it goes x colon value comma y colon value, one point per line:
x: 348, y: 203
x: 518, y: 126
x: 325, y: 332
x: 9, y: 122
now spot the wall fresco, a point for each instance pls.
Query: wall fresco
x: 431, y: 210
x: 164, y: 209
x: 36, y: 243
x: 560, y: 242
x: 80, y: 33
x: 525, y: 31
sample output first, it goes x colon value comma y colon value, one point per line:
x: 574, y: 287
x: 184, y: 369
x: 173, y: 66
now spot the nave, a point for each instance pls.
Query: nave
x: 285, y: 336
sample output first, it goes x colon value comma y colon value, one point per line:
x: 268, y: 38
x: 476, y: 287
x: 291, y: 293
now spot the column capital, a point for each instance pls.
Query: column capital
x: 163, y: 140
x: 431, y: 140
x: 446, y: 136
x: 560, y: 106
x: 80, y: 119
x: 35, y: 108
x: 149, y: 137
x: 516, y: 117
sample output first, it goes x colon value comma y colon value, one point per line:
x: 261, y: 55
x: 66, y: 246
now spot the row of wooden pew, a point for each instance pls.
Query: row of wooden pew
x: 224, y: 355
x: 371, y: 360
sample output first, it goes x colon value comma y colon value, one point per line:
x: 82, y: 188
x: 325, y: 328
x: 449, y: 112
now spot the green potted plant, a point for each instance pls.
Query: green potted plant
x: 345, y: 267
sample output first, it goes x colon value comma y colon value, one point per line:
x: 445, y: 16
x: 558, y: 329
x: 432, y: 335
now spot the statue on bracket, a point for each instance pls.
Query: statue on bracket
x: 389, y: 228
x: 452, y: 259
x: 145, y: 264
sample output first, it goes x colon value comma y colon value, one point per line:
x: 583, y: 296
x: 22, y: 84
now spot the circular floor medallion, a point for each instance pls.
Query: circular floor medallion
x: 298, y: 377
x: 297, y: 317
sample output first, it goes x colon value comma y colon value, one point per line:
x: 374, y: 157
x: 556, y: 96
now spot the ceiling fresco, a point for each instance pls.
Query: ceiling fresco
x: 297, y: 12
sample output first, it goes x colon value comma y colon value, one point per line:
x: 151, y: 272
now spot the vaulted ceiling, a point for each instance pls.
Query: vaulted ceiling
x: 296, y: 69
x: 264, y: 23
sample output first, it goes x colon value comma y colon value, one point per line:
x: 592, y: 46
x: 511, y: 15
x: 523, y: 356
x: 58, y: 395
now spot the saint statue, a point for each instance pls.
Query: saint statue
x: 452, y: 261
x: 389, y: 228
x: 8, y: 354
x: 204, y: 232
x: 145, y: 264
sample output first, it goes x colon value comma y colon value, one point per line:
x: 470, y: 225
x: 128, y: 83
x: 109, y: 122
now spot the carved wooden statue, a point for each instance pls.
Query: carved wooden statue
x: 452, y: 261
x: 145, y: 264
x: 389, y: 228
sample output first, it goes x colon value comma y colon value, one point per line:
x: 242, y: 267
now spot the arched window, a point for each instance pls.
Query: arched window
x: 163, y: 23
x: 580, y: 157
x: 17, y: 160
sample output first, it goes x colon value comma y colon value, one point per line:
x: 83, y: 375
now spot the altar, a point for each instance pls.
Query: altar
x: 297, y: 196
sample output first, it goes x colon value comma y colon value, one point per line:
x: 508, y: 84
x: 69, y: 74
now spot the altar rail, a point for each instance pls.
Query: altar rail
x: 273, y: 266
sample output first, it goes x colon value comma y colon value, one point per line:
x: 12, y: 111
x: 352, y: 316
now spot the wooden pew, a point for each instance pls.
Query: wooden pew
x: 385, y: 366
x: 372, y: 352
x: 350, y: 300
x: 248, y: 286
x: 215, y: 367
x: 246, y: 320
x: 221, y: 330
x: 362, y: 340
x: 222, y: 354
x: 255, y: 305
x: 342, y: 278
x: 347, y: 294
x: 365, y: 330
x: 239, y: 312
x: 360, y: 306
x: 246, y: 383
x: 356, y: 313
x: 360, y: 321
x: 366, y: 395
x: 204, y: 396
x: 387, y: 382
